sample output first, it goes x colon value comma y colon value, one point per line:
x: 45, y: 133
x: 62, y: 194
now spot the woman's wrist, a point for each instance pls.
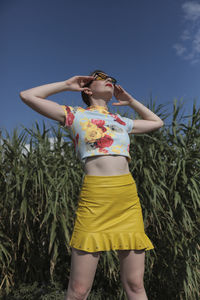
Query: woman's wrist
x: 143, y: 111
x: 131, y: 101
x: 66, y: 85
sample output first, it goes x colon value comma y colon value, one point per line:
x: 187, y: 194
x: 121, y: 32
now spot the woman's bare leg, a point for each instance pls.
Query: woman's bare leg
x: 83, y: 269
x: 132, y: 273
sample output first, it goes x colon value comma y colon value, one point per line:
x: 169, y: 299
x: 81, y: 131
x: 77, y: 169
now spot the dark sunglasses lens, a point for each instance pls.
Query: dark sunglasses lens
x: 103, y: 76
x: 114, y: 81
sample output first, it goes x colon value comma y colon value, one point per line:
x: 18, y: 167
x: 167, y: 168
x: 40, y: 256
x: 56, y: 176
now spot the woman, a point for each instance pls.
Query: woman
x: 109, y: 215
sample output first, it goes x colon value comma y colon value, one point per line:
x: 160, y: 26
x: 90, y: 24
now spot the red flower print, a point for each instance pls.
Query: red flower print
x: 67, y: 109
x: 103, y: 150
x: 120, y: 121
x: 69, y: 117
x: 112, y: 115
x: 128, y: 148
x: 77, y: 137
x: 75, y: 141
x: 105, y: 141
x: 103, y: 129
x: 99, y: 124
x: 117, y: 119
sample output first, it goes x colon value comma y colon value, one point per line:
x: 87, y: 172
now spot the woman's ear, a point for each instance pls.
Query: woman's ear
x: 87, y: 91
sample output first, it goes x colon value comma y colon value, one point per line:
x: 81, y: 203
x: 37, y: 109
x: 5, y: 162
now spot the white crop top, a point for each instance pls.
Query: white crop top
x: 96, y: 131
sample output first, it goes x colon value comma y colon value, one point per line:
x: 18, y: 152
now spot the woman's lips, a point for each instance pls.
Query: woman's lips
x: 109, y: 84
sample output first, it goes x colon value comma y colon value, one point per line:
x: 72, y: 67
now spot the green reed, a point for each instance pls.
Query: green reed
x: 39, y: 196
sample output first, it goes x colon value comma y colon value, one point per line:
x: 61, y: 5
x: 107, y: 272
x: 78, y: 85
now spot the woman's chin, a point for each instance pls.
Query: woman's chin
x: 104, y: 95
x: 108, y: 95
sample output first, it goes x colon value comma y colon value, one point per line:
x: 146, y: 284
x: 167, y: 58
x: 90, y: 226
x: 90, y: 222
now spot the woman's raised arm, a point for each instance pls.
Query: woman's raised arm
x: 35, y: 97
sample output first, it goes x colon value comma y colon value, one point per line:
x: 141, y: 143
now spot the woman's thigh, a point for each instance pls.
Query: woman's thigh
x: 83, y: 268
x: 132, y: 265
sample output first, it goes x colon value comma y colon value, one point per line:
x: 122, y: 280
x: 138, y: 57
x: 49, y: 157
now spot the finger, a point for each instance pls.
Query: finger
x: 116, y: 91
x: 88, y: 80
x: 116, y: 87
x: 86, y: 77
x: 85, y: 81
x: 116, y: 104
x: 121, y: 88
x: 85, y: 89
x: 82, y: 89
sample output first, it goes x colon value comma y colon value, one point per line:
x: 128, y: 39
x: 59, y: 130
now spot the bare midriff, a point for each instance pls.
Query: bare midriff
x: 106, y: 165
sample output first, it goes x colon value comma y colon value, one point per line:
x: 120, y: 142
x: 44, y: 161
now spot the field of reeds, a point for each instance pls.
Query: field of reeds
x: 40, y: 185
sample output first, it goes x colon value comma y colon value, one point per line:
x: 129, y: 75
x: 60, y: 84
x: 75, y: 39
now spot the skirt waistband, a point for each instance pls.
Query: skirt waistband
x: 108, y: 180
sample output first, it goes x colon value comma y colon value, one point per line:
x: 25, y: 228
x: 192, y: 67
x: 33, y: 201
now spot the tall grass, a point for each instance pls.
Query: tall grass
x: 39, y: 195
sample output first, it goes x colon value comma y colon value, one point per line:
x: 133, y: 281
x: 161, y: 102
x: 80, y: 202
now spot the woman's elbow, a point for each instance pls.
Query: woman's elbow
x: 23, y: 95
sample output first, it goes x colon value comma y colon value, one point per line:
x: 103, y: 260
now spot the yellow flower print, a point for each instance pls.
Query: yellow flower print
x: 93, y: 134
x: 92, y: 131
x: 81, y: 109
x: 116, y: 149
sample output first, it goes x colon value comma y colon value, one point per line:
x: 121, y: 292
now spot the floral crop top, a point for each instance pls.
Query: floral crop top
x: 96, y: 131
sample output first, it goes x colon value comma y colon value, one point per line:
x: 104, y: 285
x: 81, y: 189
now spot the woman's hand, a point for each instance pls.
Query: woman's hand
x: 77, y: 83
x: 121, y: 95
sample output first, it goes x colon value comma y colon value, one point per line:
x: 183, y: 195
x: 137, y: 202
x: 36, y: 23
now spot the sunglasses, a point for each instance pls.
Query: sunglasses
x: 102, y: 76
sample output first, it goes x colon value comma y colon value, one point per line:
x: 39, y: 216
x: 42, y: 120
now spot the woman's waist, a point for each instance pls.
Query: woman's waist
x: 106, y: 165
x: 95, y: 183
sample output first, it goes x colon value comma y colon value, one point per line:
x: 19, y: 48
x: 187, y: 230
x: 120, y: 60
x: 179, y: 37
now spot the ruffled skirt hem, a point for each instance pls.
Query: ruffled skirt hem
x: 106, y: 241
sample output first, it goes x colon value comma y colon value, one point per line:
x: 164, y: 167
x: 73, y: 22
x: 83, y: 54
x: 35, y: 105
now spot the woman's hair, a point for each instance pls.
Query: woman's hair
x: 85, y: 97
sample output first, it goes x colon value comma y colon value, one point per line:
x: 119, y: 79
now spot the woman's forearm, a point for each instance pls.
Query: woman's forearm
x: 143, y: 111
x: 46, y: 90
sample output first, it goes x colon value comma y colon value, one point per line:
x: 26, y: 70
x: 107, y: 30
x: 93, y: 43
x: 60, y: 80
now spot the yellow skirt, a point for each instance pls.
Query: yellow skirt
x: 109, y: 215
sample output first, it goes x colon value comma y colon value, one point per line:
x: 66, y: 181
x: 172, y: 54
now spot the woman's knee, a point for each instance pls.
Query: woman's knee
x: 78, y: 290
x: 83, y: 268
x: 135, y: 284
x: 132, y: 270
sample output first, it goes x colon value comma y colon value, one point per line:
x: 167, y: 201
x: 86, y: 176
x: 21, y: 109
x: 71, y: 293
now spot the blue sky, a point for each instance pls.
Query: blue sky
x: 151, y: 47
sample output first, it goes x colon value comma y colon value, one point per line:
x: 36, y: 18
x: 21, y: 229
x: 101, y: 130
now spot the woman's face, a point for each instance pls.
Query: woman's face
x: 102, y: 88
